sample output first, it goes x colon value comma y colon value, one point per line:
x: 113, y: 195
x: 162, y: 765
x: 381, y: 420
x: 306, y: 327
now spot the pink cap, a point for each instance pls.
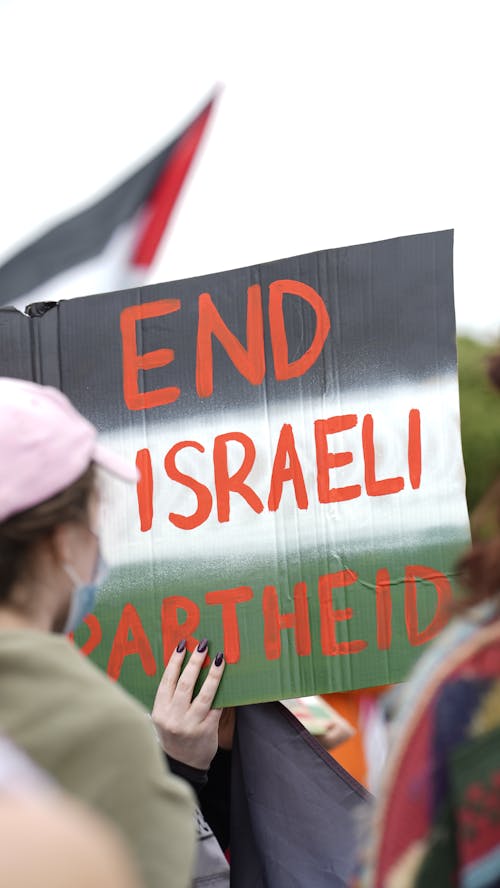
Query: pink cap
x: 45, y: 445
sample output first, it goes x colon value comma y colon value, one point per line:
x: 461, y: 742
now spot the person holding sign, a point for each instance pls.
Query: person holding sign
x: 54, y: 705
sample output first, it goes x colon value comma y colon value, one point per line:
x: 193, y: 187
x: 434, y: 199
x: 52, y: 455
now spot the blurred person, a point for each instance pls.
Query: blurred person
x: 437, y: 819
x: 55, y: 705
x: 48, y: 840
x: 53, y: 843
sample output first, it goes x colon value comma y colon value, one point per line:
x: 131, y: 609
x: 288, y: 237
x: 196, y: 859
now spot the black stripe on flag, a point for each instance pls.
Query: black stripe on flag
x: 84, y: 235
x: 293, y: 807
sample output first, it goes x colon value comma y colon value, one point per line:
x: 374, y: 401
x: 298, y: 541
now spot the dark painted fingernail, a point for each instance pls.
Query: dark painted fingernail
x: 219, y: 658
x: 202, y: 645
x: 181, y: 646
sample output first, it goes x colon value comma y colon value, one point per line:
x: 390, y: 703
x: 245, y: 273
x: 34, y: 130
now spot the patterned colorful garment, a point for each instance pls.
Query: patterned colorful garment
x: 438, y: 818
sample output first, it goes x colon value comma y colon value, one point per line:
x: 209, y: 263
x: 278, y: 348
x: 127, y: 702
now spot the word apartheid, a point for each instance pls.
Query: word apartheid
x: 286, y: 468
x: 180, y: 618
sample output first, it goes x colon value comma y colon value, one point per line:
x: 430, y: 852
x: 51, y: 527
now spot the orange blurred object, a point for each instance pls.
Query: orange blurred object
x: 351, y: 753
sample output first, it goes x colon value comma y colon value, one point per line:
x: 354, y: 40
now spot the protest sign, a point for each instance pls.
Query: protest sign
x: 296, y: 426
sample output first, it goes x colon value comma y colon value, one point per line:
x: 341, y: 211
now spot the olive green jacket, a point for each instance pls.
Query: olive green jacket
x: 98, y: 744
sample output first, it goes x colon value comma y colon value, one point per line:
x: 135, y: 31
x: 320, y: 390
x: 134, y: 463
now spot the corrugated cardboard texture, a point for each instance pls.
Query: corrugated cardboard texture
x: 297, y: 427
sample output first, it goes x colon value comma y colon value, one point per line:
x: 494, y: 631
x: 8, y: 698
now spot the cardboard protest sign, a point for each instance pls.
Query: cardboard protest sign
x: 296, y: 426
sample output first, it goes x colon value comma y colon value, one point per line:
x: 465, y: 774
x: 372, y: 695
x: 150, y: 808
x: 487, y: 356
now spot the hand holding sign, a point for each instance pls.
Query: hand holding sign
x: 188, y: 728
x: 301, y: 492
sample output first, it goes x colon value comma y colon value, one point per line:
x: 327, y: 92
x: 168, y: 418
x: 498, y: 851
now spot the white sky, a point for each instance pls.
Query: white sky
x: 339, y: 123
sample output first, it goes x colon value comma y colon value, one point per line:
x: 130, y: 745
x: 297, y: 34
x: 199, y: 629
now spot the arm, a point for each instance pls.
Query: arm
x: 190, y: 732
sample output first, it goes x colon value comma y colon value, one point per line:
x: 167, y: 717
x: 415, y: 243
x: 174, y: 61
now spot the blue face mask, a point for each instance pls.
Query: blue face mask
x: 84, y: 594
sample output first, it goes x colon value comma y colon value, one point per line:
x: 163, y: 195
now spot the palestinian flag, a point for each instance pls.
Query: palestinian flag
x: 109, y: 244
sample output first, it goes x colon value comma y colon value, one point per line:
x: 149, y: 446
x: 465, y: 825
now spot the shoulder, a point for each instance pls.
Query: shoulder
x: 466, y: 648
x: 444, y: 706
x: 60, y: 670
x: 55, y: 700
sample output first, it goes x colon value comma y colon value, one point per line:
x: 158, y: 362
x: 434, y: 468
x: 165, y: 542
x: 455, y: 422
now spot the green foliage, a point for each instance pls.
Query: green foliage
x: 480, y: 418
